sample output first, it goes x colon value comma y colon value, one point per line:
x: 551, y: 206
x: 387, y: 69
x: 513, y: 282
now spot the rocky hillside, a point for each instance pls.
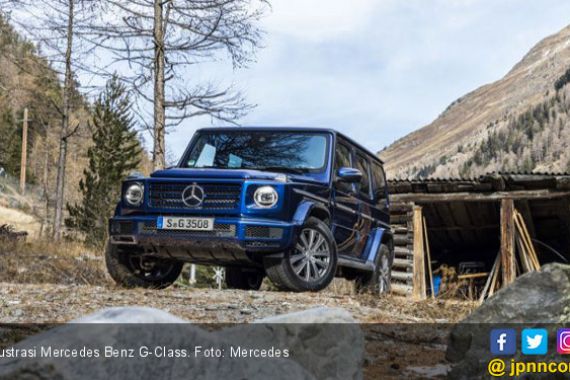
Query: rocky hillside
x: 520, y: 122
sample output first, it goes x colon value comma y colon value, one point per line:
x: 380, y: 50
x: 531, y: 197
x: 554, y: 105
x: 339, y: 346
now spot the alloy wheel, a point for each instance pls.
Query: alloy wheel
x: 310, y: 260
x: 384, y: 275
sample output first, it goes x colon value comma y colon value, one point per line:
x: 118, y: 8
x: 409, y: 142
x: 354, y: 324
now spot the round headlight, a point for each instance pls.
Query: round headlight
x: 134, y: 194
x: 265, y: 197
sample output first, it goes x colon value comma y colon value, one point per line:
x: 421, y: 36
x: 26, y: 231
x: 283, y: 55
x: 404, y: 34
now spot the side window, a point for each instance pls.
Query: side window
x: 379, y: 181
x: 342, y: 159
x: 363, y: 166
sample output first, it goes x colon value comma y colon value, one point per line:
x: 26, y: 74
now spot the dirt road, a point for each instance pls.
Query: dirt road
x: 61, y: 303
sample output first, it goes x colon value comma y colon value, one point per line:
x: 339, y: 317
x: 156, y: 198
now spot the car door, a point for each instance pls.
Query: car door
x: 364, y: 199
x: 380, y: 211
x: 345, y: 204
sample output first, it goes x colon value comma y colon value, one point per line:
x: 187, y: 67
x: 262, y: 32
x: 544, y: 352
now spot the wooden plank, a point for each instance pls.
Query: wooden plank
x: 494, y: 279
x: 508, y: 241
x: 472, y: 275
x: 426, y: 241
x: 419, y: 279
x: 527, y: 241
x: 523, y: 207
x: 490, y: 279
x: 480, y: 197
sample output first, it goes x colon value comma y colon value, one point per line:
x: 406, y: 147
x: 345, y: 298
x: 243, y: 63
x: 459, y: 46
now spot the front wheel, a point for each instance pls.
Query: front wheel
x: 310, y: 265
x: 133, y: 270
x: 377, y: 282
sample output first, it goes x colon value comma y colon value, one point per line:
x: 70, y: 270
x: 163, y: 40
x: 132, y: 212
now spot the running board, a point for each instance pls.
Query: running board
x: 356, y: 264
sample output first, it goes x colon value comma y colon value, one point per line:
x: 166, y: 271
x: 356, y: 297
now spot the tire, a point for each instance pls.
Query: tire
x: 310, y: 265
x: 377, y: 282
x: 132, y: 270
x: 238, y: 278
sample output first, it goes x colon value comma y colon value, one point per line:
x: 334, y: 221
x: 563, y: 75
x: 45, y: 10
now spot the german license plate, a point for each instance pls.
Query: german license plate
x: 188, y: 224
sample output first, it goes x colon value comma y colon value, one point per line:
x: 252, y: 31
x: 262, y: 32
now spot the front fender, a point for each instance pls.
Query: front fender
x: 378, y: 237
x: 307, y: 208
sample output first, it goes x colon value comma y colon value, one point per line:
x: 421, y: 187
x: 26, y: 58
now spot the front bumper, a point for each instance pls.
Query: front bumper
x: 233, y: 241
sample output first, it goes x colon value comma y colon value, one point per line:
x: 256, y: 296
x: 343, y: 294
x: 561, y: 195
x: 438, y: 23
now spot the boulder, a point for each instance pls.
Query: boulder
x: 138, y: 342
x: 325, y: 341
x: 535, y: 299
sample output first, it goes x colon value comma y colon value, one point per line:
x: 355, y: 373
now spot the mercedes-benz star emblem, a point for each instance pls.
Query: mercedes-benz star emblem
x: 193, y: 195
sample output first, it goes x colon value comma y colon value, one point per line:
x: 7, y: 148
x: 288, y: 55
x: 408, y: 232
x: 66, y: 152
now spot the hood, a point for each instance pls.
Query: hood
x: 215, y: 173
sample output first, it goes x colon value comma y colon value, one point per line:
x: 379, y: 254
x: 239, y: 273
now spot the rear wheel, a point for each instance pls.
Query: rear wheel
x: 246, y: 279
x: 133, y: 270
x: 378, y: 281
x: 310, y: 265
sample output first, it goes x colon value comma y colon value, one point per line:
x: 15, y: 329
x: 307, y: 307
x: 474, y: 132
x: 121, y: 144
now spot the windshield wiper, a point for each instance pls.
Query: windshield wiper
x: 282, y: 169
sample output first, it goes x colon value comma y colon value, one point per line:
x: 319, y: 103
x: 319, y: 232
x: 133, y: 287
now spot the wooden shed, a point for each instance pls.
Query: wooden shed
x: 469, y: 222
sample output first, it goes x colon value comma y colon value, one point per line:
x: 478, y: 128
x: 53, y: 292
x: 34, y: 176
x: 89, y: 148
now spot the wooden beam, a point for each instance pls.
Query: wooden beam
x: 481, y: 227
x: 428, y: 251
x: 524, y: 207
x: 419, y: 276
x: 480, y: 197
x: 508, y: 241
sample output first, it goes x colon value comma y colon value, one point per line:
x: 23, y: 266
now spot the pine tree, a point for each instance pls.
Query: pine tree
x: 10, y: 143
x: 116, y: 151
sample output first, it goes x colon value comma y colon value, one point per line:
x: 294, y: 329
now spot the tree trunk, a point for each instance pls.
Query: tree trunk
x: 61, y: 163
x: 158, y: 156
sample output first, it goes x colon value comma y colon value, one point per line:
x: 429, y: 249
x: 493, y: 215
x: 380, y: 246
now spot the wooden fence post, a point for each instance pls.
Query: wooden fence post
x: 419, y: 277
x: 508, y: 241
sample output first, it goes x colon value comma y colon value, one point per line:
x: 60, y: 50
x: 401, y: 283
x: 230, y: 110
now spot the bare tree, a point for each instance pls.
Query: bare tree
x: 159, y: 41
x: 51, y: 24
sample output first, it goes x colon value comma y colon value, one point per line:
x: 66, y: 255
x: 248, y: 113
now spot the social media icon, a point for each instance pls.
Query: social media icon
x: 534, y: 341
x: 503, y: 341
x: 563, y: 341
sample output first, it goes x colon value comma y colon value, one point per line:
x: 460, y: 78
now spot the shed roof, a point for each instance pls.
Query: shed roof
x: 488, y: 183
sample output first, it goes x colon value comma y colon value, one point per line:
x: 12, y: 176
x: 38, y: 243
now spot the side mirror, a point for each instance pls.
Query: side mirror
x: 349, y: 175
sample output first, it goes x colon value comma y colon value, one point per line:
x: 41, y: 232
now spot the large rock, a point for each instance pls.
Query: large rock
x: 312, y: 335
x: 540, y: 299
x: 320, y: 343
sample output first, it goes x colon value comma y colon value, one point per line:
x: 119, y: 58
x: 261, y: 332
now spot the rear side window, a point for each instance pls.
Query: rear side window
x: 363, y: 166
x: 378, y: 181
x: 342, y: 160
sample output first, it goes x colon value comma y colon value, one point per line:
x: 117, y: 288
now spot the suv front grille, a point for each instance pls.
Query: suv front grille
x: 216, y: 196
x: 220, y: 230
x: 263, y: 232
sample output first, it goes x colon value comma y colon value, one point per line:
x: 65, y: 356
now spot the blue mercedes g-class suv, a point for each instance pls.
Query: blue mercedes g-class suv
x: 299, y: 205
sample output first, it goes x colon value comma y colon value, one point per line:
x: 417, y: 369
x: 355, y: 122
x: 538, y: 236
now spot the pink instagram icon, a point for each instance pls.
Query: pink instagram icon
x: 563, y: 341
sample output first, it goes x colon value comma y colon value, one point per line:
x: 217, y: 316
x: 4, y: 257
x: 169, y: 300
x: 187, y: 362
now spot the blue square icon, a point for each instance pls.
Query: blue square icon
x: 534, y: 342
x: 503, y: 341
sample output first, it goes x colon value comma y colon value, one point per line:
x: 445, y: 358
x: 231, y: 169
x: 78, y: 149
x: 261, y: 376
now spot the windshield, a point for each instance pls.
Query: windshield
x: 294, y: 152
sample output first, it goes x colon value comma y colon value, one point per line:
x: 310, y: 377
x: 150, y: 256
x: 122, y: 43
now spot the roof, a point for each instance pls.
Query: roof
x: 295, y: 129
x: 490, y: 182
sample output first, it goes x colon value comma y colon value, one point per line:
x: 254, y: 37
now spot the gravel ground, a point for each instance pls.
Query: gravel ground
x: 50, y: 303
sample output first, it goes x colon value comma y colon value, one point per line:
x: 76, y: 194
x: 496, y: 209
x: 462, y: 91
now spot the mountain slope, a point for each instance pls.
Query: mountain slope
x: 451, y: 144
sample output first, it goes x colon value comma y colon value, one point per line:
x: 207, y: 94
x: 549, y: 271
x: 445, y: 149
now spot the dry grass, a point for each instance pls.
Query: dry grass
x: 41, y: 261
